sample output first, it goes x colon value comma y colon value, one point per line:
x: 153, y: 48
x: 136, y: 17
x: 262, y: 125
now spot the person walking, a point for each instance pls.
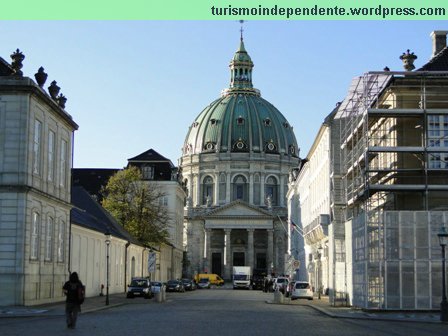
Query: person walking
x: 74, y: 292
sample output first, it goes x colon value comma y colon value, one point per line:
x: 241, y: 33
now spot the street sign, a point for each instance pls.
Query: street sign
x: 151, y: 262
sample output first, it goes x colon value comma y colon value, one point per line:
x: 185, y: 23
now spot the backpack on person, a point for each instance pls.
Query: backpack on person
x: 81, y: 294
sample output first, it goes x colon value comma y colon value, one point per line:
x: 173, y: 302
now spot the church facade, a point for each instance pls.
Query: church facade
x: 235, y: 164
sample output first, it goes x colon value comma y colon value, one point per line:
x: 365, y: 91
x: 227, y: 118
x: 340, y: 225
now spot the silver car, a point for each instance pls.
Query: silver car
x: 302, y: 290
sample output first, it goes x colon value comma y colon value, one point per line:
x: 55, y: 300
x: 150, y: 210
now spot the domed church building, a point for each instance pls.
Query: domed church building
x: 235, y: 164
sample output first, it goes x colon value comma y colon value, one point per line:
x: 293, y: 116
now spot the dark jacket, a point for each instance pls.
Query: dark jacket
x: 72, y: 291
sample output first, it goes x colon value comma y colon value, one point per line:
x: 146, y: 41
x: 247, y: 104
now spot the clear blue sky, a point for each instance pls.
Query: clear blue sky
x: 135, y: 85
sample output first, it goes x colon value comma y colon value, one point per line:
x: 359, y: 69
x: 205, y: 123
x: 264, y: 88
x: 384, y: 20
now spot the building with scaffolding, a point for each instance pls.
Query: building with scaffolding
x: 394, y: 160
x: 378, y: 171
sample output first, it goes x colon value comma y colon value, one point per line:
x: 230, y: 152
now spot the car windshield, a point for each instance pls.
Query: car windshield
x: 240, y: 277
x: 139, y: 283
x: 173, y: 282
x: 302, y: 285
x: 203, y: 280
x: 281, y: 280
x: 158, y: 284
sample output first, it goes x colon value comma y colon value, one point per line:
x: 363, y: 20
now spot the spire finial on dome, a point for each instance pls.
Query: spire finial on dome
x: 241, y: 29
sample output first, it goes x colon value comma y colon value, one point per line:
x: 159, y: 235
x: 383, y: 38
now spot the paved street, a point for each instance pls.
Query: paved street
x: 213, y: 312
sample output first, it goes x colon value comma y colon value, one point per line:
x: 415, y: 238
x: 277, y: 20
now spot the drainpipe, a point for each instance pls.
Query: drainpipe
x: 126, y: 265
x: 70, y: 211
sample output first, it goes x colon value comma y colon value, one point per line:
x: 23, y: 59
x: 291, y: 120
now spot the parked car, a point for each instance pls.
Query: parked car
x: 302, y: 290
x: 156, y: 287
x: 281, y: 284
x: 189, y: 284
x: 204, y: 283
x: 175, y: 286
x: 139, y: 287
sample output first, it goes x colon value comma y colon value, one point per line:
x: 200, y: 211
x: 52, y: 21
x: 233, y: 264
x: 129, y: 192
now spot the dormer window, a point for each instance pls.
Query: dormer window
x: 292, y: 149
x: 270, y: 146
x: 213, y: 121
x: 240, y: 145
x: 148, y: 172
x: 286, y: 125
x: 240, y: 120
x: 210, y: 146
x: 195, y: 124
x: 267, y: 122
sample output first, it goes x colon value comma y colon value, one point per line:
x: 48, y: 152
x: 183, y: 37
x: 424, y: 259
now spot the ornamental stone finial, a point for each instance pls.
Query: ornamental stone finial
x: 53, y: 90
x: 408, y: 59
x: 41, y: 77
x: 16, y: 64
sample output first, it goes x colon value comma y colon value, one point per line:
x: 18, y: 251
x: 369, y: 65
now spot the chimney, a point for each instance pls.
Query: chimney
x: 438, y: 41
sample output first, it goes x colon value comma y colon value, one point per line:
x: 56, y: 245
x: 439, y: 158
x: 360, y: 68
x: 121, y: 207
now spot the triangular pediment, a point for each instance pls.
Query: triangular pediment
x: 238, y: 209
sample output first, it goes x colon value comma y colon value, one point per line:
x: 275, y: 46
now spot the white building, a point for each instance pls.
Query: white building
x: 36, y: 138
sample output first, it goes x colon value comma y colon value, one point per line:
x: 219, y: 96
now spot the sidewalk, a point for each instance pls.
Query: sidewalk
x: 323, y: 305
x: 91, y: 304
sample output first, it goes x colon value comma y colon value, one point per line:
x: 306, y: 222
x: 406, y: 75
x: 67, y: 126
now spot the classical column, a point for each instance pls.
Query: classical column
x: 281, y: 195
x: 270, y: 251
x: 251, y: 188
x: 228, y: 191
x: 228, y: 255
x: 250, y: 248
x: 207, y: 257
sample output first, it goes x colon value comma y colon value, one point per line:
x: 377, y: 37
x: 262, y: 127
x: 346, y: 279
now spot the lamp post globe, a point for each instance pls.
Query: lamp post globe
x: 443, y: 241
x: 107, y: 241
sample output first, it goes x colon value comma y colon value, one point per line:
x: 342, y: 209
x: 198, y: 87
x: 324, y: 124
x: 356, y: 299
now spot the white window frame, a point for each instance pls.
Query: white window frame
x: 61, y: 240
x: 63, y: 163
x: 49, y: 230
x: 37, y: 147
x: 51, y: 151
x: 34, y: 241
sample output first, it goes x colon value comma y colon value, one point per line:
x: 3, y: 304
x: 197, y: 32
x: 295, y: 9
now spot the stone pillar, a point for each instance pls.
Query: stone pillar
x: 208, y: 257
x: 197, y: 196
x: 251, y: 188
x: 262, y: 196
x: 228, y: 191
x: 250, y: 248
x: 270, y: 251
x: 216, y: 190
x: 228, y: 252
x: 281, y: 194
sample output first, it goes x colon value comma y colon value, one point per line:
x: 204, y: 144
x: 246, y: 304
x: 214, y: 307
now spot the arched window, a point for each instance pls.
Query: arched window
x: 207, y: 190
x: 35, y: 226
x: 49, y: 239
x: 61, y: 240
x: 222, y: 187
x: 240, y: 188
x: 271, y: 189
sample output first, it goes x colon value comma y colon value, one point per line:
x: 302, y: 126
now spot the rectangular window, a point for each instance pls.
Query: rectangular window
x: 163, y: 201
x: 36, y: 147
x: 148, y: 172
x: 49, y: 239
x: 51, y: 137
x: 61, y: 237
x: 63, y: 163
x: 34, y: 248
x: 437, y: 138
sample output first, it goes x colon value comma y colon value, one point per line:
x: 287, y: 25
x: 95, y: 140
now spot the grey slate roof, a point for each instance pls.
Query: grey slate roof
x: 150, y: 156
x: 438, y: 63
x: 90, y: 214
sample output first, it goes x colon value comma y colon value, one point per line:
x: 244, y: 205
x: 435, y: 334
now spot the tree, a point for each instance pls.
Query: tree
x: 137, y: 206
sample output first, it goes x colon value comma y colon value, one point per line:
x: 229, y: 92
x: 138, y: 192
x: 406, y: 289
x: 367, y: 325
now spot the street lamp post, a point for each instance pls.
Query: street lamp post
x: 443, y: 240
x: 107, y: 234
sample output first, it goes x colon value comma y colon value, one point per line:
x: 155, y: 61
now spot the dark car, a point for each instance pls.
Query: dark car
x: 139, y: 287
x: 175, y: 286
x: 204, y: 283
x: 189, y: 284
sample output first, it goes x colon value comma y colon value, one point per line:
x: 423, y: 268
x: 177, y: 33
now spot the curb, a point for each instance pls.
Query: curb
x: 333, y: 315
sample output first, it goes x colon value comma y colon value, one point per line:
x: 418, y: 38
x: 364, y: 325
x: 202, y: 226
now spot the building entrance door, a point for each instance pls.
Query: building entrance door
x: 216, y: 263
x: 238, y: 259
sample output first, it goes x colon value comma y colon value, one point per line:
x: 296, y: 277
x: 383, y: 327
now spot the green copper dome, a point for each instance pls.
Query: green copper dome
x: 241, y: 120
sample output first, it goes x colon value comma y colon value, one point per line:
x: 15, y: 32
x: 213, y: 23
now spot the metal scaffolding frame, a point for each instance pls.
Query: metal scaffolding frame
x: 385, y: 162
